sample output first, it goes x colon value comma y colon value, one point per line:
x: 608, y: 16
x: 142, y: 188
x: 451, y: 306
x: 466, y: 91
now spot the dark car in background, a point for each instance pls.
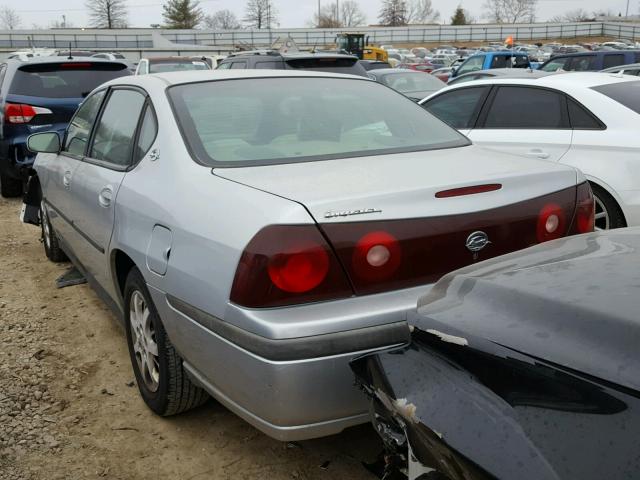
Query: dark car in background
x: 374, y: 64
x: 521, y: 367
x: 276, y: 60
x: 590, y: 61
x: 41, y: 95
x: 410, y: 83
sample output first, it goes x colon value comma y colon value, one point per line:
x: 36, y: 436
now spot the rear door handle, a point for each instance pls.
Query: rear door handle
x: 104, y: 199
x: 538, y: 154
x: 66, y: 179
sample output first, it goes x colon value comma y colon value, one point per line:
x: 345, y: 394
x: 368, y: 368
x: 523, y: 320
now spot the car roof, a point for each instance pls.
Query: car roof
x: 391, y: 71
x: 276, y: 53
x: 617, y: 68
x: 59, y: 59
x: 174, y: 57
x: 198, y: 76
x: 568, y: 80
x: 510, y: 72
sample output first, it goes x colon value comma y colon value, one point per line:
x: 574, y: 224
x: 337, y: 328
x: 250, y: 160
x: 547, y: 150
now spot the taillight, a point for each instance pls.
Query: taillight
x: 287, y: 265
x: 584, y: 220
x: 376, y: 256
x: 21, y: 113
x: 552, y: 223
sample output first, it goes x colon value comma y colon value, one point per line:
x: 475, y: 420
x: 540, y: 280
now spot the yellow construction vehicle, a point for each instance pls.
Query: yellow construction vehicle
x: 354, y: 43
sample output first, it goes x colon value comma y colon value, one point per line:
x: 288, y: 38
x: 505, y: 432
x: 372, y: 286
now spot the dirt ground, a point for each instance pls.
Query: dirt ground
x: 69, y: 407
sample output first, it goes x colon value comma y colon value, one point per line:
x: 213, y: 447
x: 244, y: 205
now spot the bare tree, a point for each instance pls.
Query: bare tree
x: 260, y: 14
x: 393, y: 13
x: 510, y: 11
x: 222, y: 20
x: 107, y: 13
x: 351, y: 15
x: 421, y: 11
x: 578, y: 15
x: 9, y: 18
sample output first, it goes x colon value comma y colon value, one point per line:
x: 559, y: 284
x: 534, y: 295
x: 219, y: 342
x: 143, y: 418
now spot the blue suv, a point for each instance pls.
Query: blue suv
x: 489, y: 60
x: 41, y: 95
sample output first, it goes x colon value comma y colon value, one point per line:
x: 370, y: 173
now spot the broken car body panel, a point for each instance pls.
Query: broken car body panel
x: 521, y: 366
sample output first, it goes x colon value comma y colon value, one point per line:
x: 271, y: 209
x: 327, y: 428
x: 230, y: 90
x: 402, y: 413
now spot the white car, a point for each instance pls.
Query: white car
x: 586, y: 120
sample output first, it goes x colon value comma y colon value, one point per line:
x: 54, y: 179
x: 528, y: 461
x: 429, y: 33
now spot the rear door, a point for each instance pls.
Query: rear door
x: 57, y: 181
x: 96, y: 182
x: 459, y: 108
x: 524, y: 120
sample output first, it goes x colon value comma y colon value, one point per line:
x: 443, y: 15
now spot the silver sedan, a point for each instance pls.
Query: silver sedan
x: 256, y: 230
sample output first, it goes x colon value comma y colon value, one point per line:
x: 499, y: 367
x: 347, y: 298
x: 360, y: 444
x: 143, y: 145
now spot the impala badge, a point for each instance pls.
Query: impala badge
x: 348, y: 213
x: 477, y: 241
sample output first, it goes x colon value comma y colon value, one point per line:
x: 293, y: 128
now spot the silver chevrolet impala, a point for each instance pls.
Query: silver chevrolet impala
x: 256, y: 230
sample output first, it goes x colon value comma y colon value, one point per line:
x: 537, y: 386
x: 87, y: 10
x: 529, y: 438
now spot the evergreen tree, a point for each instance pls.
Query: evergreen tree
x: 185, y: 14
x: 459, y: 17
x: 393, y: 13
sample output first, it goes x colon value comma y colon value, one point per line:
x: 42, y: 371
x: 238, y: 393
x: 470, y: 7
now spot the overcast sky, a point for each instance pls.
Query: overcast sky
x: 292, y: 13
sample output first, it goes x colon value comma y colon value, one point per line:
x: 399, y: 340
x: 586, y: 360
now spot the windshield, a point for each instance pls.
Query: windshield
x: 285, y: 120
x: 177, y: 66
x: 64, y: 80
x: 412, y: 82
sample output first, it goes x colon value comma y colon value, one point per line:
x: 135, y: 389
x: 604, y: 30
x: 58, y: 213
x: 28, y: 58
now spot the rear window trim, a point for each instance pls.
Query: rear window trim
x: 213, y: 164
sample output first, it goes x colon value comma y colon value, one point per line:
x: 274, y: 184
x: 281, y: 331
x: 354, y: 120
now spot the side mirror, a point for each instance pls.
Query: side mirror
x: 46, y: 142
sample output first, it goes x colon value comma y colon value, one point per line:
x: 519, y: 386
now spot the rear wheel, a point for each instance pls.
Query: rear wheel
x: 608, y: 214
x: 162, y: 380
x: 10, y: 187
x: 49, y: 239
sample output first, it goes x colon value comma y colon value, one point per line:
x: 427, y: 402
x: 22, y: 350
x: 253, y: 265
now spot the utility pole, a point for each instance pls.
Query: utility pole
x: 318, y: 13
x: 338, y: 12
x: 626, y: 13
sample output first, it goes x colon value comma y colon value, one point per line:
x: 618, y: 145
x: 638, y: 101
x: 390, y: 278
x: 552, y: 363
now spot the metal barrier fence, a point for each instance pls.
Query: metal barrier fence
x: 143, y: 38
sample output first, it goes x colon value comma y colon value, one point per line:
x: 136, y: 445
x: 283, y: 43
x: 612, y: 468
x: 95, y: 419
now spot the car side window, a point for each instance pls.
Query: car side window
x: 458, y: 108
x: 224, y: 66
x: 148, y: 132
x: 612, y: 60
x: 526, y: 107
x: 79, y: 128
x: 556, y: 64
x: 500, y: 61
x: 581, y: 64
x: 581, y: 118
x: 116, y: 129
x: 267, y: 65
x: 471, y: 65
x: 235, y: 65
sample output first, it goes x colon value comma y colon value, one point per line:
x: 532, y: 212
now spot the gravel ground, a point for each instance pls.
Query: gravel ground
x: 69, y: 407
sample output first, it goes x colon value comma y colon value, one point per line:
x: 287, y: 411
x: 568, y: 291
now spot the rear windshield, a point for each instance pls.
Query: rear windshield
x: 287, y: 120
x: 177, y: 65
x: 625, y: 93
x: 345, y: 65
x: 412, y: 82
x: 64, y: 80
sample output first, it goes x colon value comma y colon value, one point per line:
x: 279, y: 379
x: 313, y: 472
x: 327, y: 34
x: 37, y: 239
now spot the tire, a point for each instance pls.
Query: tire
x: 608, y: 213
x: 49, y: 239
x: 10, y: 187
x: 162, y: 381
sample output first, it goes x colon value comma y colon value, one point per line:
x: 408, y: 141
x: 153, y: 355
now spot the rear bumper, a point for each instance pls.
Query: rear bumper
x: 291, y: 388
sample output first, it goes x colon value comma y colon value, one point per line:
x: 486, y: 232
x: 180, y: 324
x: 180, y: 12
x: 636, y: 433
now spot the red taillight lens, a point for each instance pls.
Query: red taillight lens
x: 287, y: 265
x: 301, y: 269
x: 376, y: 256
x: 585, y: 210
x: 552, y: 223
x: 18, y: 113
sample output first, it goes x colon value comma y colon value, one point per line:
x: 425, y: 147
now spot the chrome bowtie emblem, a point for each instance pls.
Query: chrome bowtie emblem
x: 477, y: 241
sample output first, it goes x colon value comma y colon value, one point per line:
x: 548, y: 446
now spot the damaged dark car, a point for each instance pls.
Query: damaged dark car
x: 522, y: 367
